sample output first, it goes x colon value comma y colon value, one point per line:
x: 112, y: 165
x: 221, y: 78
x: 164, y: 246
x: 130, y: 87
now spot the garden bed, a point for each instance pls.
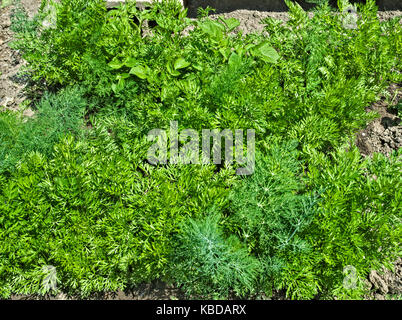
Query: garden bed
x: 379, y: 91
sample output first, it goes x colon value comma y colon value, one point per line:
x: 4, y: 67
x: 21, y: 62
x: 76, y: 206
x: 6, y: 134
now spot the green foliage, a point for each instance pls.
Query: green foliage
x: 91, y: 206
x: 207, y: 76
x: 359, y: 218
x: 5, y: 3
x: 56, y: 116
x: 98, y: 213
x: 59, y: 59
x: 206, y: 264
x: 20, y: 22
x: 305, y: 239
x: 271, y: 213
x: 331, y: 71
x: 146, y: 75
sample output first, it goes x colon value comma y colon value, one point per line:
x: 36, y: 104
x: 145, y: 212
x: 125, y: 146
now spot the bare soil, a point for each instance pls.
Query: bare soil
x: 157, y: 290
x: 223, y: 6
x: 382, y: 135
x: 386, y: 284
x: 12, y: 86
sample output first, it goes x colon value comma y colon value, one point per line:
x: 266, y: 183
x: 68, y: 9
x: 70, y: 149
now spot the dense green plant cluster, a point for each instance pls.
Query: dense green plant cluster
x: 359, y: 218
x: 56, y: 115
x: 271, y: 211
x: 208, y: 264
x: 77, y: 193
x: 153, y: 75
x: 305, y: 229
x: 97, y: 213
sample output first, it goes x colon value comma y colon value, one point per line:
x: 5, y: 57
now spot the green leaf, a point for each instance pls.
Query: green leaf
x: 213, y: 28
x: 139, y: 71
x: 266, y: 52
x: 198, y: 67
x: 115, y: 64
x: 125, y: 76
x: 181, y: 63
x: 225, y: 52
x: 131, y: 62
x: 234, y: 59
x: 172, y: 70
x: 231, y: 23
